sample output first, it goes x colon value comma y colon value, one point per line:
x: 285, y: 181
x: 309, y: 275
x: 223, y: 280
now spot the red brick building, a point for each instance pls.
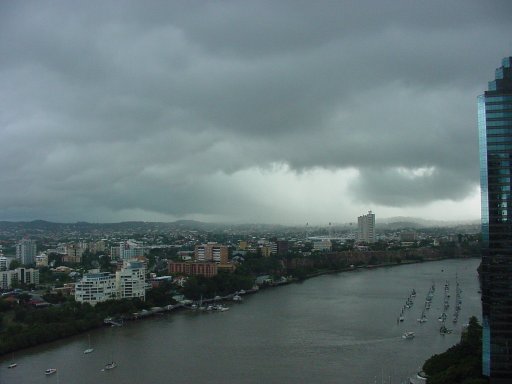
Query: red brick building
x: 193, y: 269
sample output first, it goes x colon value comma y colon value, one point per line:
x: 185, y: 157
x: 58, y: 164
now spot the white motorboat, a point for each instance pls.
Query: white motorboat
x: 408, y: 335
x: 111, y: 365
x: 220, y: 308
x: 50, y: 371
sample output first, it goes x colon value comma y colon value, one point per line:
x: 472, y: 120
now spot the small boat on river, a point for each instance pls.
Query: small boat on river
x: 220, y: 308
x: 89, y: 350
x: 13, y: 364
x: 408, y: 335
x: 110, y: 365
x: 50, y: 371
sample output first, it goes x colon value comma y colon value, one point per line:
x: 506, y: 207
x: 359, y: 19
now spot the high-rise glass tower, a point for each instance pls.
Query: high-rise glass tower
x: 495, y: 140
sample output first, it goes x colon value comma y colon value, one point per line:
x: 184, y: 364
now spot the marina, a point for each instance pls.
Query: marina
x: 328, y: 329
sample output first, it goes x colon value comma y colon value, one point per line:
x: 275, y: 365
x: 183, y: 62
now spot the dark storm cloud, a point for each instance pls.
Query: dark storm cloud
x: 398, y: 188
x: 118, y: 106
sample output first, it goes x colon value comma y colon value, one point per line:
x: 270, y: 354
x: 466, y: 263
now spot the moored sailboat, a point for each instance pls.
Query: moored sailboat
x: 13, y: 364
x: 89, y: 350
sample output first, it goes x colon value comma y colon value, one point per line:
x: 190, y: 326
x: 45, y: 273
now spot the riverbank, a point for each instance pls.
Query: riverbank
x: 323, y: 330
x: 383, y: 265
x: 29, y: 328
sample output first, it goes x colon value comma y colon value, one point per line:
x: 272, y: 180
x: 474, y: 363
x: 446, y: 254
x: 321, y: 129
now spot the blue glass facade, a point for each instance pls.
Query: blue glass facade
x: 495, y: 142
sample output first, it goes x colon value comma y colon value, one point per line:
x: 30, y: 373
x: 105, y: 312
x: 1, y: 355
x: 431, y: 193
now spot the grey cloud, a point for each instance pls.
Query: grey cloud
x: 390, y: 187
x: 126, y: 106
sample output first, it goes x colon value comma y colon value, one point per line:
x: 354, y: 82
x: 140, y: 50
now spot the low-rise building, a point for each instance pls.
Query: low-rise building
x: 42, y: 260
x: 62, y: 269
x: 156, y: 281
x: 408, y: 236
x: 186, y: 255
x: 5, y: 280
x: 18, y: 276
x: 266, y: 250
x: 3, y: 263
x: 322, y: 245
x: 68, y: 289
x: 193, y: 269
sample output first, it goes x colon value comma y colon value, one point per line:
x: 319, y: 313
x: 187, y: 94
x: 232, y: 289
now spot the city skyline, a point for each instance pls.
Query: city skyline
x: 243, y: 111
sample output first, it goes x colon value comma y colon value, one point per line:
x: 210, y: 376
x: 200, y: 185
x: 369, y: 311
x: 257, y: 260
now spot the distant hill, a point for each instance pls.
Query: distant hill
x: 394, y: 223
x: 125, y: 226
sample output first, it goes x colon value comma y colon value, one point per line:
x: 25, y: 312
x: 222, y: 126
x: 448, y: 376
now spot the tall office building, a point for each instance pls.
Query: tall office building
x: 366, y: 228
x: 495, y: 140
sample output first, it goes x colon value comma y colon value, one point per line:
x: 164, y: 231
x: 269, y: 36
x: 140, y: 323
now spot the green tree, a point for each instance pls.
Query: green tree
x: 460, y: 364
x: 14, y: 264
x: 160, y: 295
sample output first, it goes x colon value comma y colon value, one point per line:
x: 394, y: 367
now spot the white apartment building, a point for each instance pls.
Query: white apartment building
x: 20, y: 275
x: 366, y: 228
x: 131, y: 280
x: 95, y: 288
x: 26, y: 251
x: 127, y: 250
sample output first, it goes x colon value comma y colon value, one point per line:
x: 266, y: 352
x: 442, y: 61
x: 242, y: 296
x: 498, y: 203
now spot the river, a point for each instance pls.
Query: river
x: 336, y: 328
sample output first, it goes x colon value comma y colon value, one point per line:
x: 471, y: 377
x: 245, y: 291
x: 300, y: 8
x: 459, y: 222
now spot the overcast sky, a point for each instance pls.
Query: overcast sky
x: 244, y: 111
